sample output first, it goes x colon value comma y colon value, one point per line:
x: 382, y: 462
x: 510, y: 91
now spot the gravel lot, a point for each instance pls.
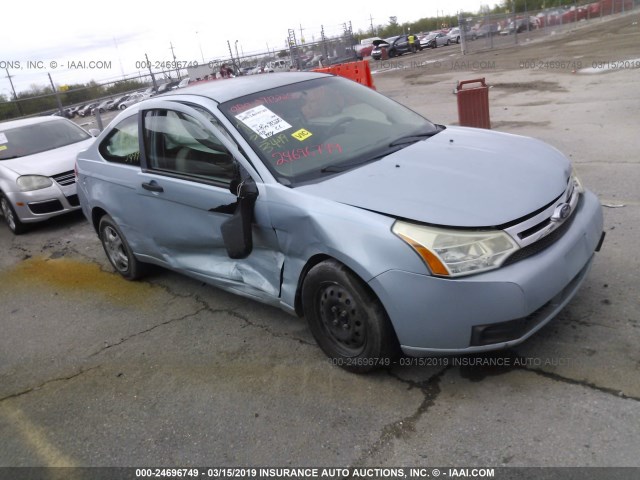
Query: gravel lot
x: 97, y: 371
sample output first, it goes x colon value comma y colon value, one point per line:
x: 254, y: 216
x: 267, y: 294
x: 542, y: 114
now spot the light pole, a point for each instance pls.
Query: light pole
x: 237, y: 56
x: 200, y: 47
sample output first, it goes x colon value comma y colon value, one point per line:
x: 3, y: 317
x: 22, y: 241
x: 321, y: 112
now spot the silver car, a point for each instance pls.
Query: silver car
x: 133, y: 99
x: 37, y: 181
x: 323, y: 197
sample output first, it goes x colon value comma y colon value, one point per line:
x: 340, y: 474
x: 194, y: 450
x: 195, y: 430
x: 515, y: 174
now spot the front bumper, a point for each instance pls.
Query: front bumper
x: 492, y: 310
x: 40, y: 205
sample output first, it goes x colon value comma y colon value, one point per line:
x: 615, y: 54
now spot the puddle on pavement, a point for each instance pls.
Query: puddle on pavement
x: 74, y: 276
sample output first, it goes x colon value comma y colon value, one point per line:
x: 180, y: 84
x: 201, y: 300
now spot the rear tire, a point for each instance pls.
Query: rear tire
x: 11, y: 217
x: 118, y: 251
x: 347, y: 319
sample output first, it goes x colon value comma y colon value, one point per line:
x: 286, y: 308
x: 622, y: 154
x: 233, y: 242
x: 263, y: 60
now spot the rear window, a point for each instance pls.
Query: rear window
x: 40, y: 137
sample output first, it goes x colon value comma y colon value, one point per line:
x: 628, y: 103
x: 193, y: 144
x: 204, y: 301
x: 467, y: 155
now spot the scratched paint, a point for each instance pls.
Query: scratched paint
x: 81, y: 278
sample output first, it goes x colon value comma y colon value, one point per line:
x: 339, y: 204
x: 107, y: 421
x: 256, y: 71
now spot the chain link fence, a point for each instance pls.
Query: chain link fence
x: 485, y: 32
x: 297, y: 54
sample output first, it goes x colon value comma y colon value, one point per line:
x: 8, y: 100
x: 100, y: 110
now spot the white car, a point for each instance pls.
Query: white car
x: 454, y: 35
x: 37, y: 158
x: 134, y: 98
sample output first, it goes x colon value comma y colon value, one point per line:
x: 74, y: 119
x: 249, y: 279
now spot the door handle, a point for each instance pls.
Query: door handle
x: 152, y: 186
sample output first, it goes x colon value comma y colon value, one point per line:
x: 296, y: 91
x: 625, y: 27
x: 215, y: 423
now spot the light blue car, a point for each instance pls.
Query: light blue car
x: 311, y: 192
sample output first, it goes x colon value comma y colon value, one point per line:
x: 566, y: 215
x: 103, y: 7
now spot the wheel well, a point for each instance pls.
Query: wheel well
x: 312, y: 262
x: 96, y: 214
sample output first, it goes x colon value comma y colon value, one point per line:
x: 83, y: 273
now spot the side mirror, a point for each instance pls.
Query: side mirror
x: 236, y: 232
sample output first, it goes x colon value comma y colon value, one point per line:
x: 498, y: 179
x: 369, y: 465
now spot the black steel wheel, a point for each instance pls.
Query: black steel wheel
x: 346, y: 319
x: 118, y: 251
x: 11, y: 217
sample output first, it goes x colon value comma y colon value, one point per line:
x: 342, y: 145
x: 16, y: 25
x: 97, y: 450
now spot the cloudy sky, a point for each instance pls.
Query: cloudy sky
x: 62, y: 38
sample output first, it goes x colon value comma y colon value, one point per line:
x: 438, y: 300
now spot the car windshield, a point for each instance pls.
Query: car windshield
x: 39, y: 137
x: 310, y: 129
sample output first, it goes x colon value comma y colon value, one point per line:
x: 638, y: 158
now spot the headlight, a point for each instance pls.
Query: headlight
x: 456, y: 252
x: 33, y: 182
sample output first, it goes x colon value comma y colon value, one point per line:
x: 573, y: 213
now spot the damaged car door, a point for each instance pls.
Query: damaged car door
x: 201, y: 205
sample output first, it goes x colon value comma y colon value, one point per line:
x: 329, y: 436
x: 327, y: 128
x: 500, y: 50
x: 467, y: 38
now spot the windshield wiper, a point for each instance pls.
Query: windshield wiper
x: 346, y: 166
x: 8, y: 158
x: 393, y: 147
x: 416, y: 137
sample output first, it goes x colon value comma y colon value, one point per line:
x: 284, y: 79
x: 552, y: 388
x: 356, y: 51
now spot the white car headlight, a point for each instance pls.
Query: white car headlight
x: 28, y: 183
x: 454, y: 253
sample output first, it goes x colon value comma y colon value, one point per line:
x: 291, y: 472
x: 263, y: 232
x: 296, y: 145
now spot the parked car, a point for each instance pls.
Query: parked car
x: 434, y: 40
x: 487, y: 30
x: 101, y: 107
x: 520, y: 25
x: 150, y: 91
x: 133, y: 98
x: 278, y: 66
x: 66, y: 113
x: 37, y: 180
x: 333, y: 202
x: 182, y: 83
x: 395, y: 46
x: 166, y: 87
x: 365, y: 47
x: 83, y: 112
x: 454, y: 35
x: 114, y: 105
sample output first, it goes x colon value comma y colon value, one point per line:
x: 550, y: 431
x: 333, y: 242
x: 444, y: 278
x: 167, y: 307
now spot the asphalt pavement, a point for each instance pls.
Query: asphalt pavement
x: 98, y: 371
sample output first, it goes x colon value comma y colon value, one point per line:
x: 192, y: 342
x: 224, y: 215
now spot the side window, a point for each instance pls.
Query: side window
x: 121, y: 145
x: 214, y: 121
x: 177, y: 143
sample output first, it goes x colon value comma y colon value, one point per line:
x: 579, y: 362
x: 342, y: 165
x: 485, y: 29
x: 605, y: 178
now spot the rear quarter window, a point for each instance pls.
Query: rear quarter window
x: 122, y: 144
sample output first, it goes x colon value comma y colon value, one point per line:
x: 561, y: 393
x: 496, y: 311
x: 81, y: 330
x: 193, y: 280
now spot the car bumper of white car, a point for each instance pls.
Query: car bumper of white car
x: 497, y: 309
x: 39, y: 205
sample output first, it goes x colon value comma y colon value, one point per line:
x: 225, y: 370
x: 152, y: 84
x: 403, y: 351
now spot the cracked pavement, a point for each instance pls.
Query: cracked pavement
x: 98, y: 371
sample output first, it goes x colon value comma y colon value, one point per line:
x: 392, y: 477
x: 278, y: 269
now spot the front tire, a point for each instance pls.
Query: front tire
x: 10, y: 217
x: 347, y: 319
x: 118, y: 251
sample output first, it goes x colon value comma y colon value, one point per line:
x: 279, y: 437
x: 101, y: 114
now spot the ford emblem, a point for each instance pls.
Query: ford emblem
x: 561, y: 212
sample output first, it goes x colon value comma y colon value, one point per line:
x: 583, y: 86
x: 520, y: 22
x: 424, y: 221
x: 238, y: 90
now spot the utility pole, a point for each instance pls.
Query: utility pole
x: 301, y: 36
x: 230, y: 52
x: 200, y: 47
x: 153, y: 78
x: 55, y: 91
x: 371, y: 21
x: 174, y: 61
x: 15, y: 97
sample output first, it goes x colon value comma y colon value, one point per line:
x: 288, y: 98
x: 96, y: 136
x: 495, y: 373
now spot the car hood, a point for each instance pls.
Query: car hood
x: 462, y: 177
x: 51, y: 162
x: 380, y: 43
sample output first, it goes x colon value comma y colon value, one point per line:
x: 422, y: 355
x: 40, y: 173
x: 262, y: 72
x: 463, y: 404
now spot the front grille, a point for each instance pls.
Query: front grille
x: 65, y: 178
x: 541, y: 244
x: 49, y: 206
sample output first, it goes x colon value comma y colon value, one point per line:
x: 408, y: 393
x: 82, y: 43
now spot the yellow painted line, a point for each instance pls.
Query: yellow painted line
x: 36, y: 437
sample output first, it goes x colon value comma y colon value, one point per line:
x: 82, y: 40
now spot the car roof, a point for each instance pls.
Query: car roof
x: 29, y: 121
x: 223, y: 90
